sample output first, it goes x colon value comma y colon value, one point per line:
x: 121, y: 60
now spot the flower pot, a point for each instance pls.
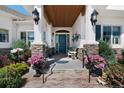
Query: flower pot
x: 40, y: 68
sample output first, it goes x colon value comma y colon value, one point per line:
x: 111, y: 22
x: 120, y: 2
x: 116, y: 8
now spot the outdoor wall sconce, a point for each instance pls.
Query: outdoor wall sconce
x: 36, y: 17
x: 75, y: 37
x: 93, y: 18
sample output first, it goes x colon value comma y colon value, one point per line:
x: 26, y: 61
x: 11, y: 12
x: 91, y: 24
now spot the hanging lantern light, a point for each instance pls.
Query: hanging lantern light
x: 94, y: 17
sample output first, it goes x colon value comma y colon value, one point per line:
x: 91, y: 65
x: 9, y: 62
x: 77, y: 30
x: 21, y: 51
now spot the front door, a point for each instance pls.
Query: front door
x: 62, y: 43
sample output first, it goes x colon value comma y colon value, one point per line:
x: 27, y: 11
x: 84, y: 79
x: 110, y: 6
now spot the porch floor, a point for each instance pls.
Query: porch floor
x: 67, y: 73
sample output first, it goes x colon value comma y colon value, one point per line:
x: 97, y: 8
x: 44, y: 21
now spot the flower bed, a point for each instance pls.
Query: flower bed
x: 10, y: 76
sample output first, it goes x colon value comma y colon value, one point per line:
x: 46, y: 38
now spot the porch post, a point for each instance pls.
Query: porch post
x: 49, y: 35
x: 90, y: 43
x: 37, y: 45
x: 90, y: 30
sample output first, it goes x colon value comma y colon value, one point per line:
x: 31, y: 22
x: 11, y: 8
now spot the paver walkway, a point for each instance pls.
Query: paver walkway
x: 65, y: 75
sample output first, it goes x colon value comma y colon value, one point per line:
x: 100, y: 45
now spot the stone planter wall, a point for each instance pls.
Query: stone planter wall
x: 117, y: 50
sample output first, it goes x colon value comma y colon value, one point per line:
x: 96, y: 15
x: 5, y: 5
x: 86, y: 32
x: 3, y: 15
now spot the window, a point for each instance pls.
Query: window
x: 4, y: 37
x: 27, y: 36
x: 44, y: 36
x: 30, y: 36
x: 116, y: 34
x: 98, y: 32
x: 107, y: 33
x: 23, y: 36
x: 110, y: 34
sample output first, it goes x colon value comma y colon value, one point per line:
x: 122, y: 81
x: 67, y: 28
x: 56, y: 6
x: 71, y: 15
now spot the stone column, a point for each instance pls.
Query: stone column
x: 90, y: 43
x: 37, y: 45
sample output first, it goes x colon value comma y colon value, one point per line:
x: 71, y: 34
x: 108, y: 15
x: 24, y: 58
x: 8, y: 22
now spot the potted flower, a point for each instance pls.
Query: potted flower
x: 75, y: 37
x: 97, y: 64
x: 39, y: 64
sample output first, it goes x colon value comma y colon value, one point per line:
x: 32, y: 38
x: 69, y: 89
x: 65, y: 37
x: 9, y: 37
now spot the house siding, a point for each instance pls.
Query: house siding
x: 6, y: 23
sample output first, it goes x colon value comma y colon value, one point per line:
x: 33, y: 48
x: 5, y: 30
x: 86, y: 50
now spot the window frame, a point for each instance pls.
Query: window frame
x: 111, y: 36
x: 5, y: 35
x: 27, y: 36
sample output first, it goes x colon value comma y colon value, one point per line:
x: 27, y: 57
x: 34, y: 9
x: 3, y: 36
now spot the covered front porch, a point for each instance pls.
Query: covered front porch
x: 62, y: 27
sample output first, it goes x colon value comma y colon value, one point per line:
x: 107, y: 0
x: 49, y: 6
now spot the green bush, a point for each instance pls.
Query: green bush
x: 19, y: 44
x: 10, y: 76
x: 122, y: 52
x: 107, y: 52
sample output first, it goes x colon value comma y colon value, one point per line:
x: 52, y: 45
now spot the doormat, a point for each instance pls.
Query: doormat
x: 62, y: 62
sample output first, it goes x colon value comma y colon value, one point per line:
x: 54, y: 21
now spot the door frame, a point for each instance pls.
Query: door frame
x: 66, y: 40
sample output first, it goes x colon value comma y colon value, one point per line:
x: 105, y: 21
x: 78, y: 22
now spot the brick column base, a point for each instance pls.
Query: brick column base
x: 92, y: 48
x: 37, y: 48
x: 79, y: 53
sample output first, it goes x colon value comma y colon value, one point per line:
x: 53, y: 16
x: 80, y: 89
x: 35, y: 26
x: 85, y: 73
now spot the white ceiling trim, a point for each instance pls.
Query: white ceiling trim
x: 115, y: 7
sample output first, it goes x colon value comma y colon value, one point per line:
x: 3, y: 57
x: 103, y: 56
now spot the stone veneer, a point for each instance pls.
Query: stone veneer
x: 118, y: 50
x: 79, y: 53
x: 91, y: 49
x: 37, y: 48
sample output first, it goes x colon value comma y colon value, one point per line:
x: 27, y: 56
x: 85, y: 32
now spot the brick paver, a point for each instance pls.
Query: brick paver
x: 63, y: 79
x: 68, y: 75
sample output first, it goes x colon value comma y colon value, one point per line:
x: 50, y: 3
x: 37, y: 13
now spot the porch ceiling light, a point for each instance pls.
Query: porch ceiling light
x: 93, y: 18
x: 36, y: 17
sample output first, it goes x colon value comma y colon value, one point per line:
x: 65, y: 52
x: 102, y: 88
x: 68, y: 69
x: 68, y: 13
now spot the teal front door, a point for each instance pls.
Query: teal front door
x: 62, y: 43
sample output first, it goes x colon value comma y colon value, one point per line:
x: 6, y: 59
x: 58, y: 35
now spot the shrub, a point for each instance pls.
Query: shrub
x: 19, y: 44
x: 122, y: 52
x: 15, y: 54
x: 3, y: 60
x: 25, y: 56
x: 106, y: 51
x: 115, y: 75
x: 21, y: 68
x: 10, y: 76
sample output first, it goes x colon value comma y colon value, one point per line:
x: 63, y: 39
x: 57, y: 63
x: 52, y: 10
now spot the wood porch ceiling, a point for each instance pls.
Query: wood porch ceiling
x: 63, y: 15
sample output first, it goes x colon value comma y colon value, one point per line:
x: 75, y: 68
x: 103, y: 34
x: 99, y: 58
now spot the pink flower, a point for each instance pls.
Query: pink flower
x: 36, y: 58
x: 100, y: 61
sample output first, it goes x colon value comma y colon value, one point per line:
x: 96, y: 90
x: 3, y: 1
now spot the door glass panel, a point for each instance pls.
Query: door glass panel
x: 57, y: 43
x: 67, y: 43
